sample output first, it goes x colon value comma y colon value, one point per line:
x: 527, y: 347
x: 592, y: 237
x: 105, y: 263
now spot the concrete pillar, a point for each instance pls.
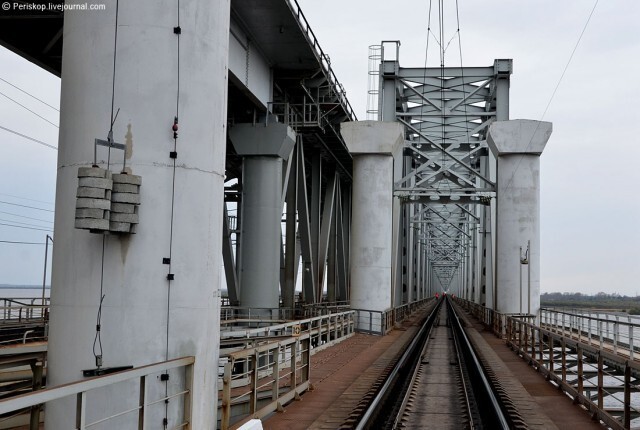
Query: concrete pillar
x: 145, y: 317
x: 263, y: 147
x: 372, y: 144
x: 517, y: 145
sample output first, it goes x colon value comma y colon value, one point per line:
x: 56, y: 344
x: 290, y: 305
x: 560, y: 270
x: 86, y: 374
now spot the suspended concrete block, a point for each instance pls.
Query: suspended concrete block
x: 125, y: 200
x: 93, y: 199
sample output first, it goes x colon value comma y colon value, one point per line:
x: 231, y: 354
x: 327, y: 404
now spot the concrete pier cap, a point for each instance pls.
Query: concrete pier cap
x: 263, y: 146
x: 372, y: 137
x: 517, y: 145
x: 372, y: 144
x: 518, y: 136
x: 268, y: 139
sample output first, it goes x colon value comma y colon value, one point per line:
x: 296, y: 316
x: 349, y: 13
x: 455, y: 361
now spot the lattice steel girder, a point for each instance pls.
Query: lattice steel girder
x: 444, y: 152
x: 416, y: 74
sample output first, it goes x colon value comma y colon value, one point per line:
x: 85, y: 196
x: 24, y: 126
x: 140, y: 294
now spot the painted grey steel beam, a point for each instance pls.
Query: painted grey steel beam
x: 228, y: 261
x: 417, y: 74
x: 342, y: 247
x: 287, y: 289
x: 308, y: 272
x: 325, y: 229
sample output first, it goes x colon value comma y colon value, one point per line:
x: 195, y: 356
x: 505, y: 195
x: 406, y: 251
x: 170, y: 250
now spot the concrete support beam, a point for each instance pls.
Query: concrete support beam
x: 372, y: 145
x: 263, y: 147
x: 145, y: 317
x: 517, y: 144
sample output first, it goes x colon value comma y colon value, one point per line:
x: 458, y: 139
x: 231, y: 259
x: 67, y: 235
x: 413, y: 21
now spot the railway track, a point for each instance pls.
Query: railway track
x: 438, y: 383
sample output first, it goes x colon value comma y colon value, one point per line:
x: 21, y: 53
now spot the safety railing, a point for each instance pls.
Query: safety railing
x: 21, y: 309
x: 258, y: 316
x: 320, y: 328
x: 260, y: 380
x: 381, y: 322
x: 373, y: 322
x: 603, y: 382
x: 136, y: 414
x: 613, y: 332
x: 323, y: 308
x: 402, y: 312
x: 324, y: 60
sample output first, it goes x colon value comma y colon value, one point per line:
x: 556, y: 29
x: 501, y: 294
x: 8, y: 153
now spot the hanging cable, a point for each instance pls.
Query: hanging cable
x: 21, y: 243
x: 26, y: 217
x: 464, y: 90
x: 26, y: 228
x: 442, y: 91
x: 24, y: 223
x: 33, y: 112
x: 555, y: 90
x: 27, y: 199
x: 25, y: 206
x: 177, y: 31
x: 98, y: 338
x: 29, y: 94
x: 29, y: 138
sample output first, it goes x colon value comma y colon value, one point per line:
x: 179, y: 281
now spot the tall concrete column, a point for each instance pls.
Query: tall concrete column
x: 517, y: 144
x: 263, y: 147
x: 372, y: 144
x: 145, y: 317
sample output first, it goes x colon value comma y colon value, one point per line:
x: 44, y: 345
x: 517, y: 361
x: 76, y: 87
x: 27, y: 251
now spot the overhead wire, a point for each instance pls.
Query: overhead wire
x: 27, y: 217
x: 13, y: 242
x: 30, y: 110
x: 29, y: 94
x: 177, y: 31
x: 25, y: 206
x: 25, y: 198
x: 24, y: 223
x: 555, y: 90
x: 26, y: 228
x: 98, y: 336
x: 29, y: 138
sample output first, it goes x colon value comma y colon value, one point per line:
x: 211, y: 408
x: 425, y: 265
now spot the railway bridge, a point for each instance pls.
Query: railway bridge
x: 234, y: 245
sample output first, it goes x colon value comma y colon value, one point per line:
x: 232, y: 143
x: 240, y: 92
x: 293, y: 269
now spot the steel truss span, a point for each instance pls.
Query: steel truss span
x: 445, y: 177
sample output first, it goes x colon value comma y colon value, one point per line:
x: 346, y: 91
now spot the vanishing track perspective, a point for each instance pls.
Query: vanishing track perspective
x: 438, y: 383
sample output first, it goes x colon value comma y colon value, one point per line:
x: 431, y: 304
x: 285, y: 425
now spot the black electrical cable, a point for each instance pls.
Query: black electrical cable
x: 177, y: 31
x: 21, y: 243
x: 555, y: 90
x: 24, y: 223
x: 29, y: 94
x: 26, y: 217
x: 26, y: 228
x: 98, y: 337
x: 25, y: 198
x: 33, y: 112
x: 25, y: 206
x: 29, y: 138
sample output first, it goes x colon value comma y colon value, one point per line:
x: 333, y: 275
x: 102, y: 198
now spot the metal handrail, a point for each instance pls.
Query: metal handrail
x: 541, y: 346
x: 581, y: 325
x: 494, y: 413
x: 324, y: 60
x: 80, y: 389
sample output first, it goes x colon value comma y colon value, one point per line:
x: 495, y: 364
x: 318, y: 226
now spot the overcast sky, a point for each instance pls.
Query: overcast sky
x: 590, y: 229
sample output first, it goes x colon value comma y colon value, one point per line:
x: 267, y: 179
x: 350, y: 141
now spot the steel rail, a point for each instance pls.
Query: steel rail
x: 463, y: 377
x: 379, y: 401
x: 414, y: 375
x: 492, y: 415
x: 481, y: 396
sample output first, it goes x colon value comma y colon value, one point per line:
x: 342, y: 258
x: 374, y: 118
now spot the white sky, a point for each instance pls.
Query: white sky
x: 590, y: 229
